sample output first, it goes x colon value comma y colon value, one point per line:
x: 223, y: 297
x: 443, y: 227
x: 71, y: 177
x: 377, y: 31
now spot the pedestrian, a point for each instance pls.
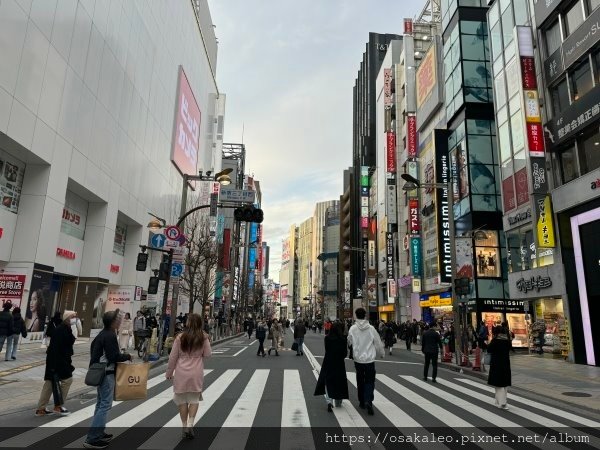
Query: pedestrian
x: 125, y: 332
x: 58, y: 375
x: 450, y: 338
x: 328, y: 325
x: 139, y: 324
x: 76, y: 327
x: 388, y: 337
x: 186, y: 369
x: 500, y: 373
x: 482, y: 335
x: 332, y: 382
x: 275, y: 335
x: 366, y: 344
x: 299, y: 333
x: 408, y: 334
x: 415, y: 330
x: 105, y: 347
x: 18, y: 331
x: 6, y: 325
x: 261, y: 334
x: 250, y: 328
x: 431, y: 342
x: 471, y: 336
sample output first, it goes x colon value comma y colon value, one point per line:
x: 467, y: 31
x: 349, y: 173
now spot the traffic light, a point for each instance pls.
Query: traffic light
x: 248, y: 214
x: 142, y: 262
x: 163, y: 269
x: 462, y: 286
x: 153, y: 285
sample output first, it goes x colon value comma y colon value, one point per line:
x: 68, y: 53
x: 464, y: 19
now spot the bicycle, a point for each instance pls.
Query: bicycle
x: 144, y: 343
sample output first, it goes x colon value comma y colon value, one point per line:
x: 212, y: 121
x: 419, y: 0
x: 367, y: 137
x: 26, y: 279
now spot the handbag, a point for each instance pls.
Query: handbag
x: 487, y: 359
x: 295, y: 347
x: 95, y: 374
x: 131, y: 381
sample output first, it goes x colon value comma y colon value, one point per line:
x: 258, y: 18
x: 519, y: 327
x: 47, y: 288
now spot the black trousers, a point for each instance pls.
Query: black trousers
x: 408, y: 342
x: 433, y: 359
x: 365, y: 382
x: 261, y: 348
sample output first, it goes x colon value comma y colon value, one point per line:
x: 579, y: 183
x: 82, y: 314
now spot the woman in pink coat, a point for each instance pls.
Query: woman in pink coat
x: 186, y: 369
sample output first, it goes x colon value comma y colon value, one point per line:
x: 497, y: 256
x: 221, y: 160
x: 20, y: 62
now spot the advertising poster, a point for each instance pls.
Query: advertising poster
x: 40, y: 302
x: 120, y: 298
x: 464, y: 258
x: 11, y: 288
x: 11, y: 181
x: 508, y: 194
x: 120, y: 239
x: 491, y: 319
x: 74, y: 216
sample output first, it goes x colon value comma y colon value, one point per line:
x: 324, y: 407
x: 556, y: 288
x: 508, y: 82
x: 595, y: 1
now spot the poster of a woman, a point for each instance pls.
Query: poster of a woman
x: 35, y: 317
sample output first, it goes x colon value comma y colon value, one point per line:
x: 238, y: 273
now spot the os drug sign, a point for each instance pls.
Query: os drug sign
x: 186, y: 129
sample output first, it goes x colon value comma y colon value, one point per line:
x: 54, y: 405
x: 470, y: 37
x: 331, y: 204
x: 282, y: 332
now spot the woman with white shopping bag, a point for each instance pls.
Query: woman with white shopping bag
x: 186, y: 369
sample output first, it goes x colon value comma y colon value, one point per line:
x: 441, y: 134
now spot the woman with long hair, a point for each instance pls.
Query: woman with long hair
x: 333, y: 382
x: 36, y: 313
x: 500, y: 373
x: 186, y: 369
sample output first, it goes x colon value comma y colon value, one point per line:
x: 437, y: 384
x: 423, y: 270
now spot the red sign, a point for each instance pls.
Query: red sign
x: 522, y: 189
x: 71, y: 216
x: 535, y: 139
x: 508, y: 194
x: 65, y: 253
x: 528, y: 72
x: 1, y: 232
x: 114, y: 268
x: 391, y: 152
x: 411, y: 136
x: 413, y: 222
x: 11, y: 288
x: 408, y: 26
x: 186, y: 132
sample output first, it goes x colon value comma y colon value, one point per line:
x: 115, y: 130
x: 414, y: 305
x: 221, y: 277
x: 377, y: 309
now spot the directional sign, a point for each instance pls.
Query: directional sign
x: 237, y: 195
x: 158, y: 240
x: 173, y: 232
x: 176, y: 269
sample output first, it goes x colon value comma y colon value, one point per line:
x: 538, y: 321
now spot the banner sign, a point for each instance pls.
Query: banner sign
x: 387, y: 88
x: 415, y: 256
x: 347, y: 287
x: 413, y: 221
x: 408, y: 26
x: 11, y: 288
x: 545, y: 224
x: 391, y: 152
x: 372, y: 257
x: 442, y: 174
x: 364, y: 182
x: 411, y: 136
x: 389, y: 254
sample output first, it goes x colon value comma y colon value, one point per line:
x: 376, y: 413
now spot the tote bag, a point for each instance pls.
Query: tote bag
x: 131, y: 381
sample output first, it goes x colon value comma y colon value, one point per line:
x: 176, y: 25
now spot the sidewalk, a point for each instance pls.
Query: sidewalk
x: 574, y: 384
x: 21, y: 380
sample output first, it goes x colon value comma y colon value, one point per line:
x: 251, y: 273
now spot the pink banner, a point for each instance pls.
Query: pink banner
x: 186, y: 133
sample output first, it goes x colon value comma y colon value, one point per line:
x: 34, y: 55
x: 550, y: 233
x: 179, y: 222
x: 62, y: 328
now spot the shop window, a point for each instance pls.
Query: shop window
x: 568, y: 164
x: 516, y: 128
x: 552, y: 38
x: 589, y: 152
x: 481, y: 127
x: 486, y: 255
x: 513, y: 251
x: 581, y: 80
x: 560, y: 97
x: 496, y: 38
x: 11, y: 182
x: 592, y: 5
x: 483, y: 181
x: 573, y: 18
x: 505, y: 148
x: 120, y: 238
x: 473, y: 47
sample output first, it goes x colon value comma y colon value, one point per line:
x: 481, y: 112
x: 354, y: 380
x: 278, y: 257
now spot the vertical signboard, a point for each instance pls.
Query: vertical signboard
x: 389, y: 253
x: 364, y: 193
x: 408, y: 26
x: 411, y: 136
x: 415, y: 256
x: 413, y: 221
x: 391, y: 152
x: 387, y: 88
x: 545, y: 223
x: 347, y: 287
x: 442, y: 174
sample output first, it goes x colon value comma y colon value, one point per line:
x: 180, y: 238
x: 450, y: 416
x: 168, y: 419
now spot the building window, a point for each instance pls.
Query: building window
x: 487, y: 256
x: 560, y: 97
x: 507, y: 26
x: 552, y: 38
x: 581, y: 80
x: 573, y: 18
x: 592, y: 5
x: 596, y: 64
x: 12, y: 173
x: 568, y: 164
x: 589, y: 152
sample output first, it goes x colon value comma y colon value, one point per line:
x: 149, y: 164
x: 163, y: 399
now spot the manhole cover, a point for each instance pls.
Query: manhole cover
x: 576, y: 394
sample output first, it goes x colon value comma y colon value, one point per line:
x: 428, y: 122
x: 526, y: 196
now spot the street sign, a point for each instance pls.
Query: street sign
x: 173, y: 232
x: 213, y: 205
x: 176, y: 269
x: 158, y: 240
x: 237, y: 195
x: 182, y: 240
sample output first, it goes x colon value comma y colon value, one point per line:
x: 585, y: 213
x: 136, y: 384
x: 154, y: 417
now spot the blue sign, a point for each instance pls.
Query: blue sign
x: 158, y: 240
x: 176, y: 269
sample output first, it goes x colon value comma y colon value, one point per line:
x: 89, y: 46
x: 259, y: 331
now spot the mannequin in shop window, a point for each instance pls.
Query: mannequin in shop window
x: 491, y: 263
x: 482, y: 262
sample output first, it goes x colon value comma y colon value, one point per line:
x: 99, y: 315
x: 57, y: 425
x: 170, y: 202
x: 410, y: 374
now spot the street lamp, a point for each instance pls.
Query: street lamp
x: 348, y: 247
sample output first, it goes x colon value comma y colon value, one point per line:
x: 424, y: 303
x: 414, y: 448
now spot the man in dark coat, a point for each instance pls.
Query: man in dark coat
x: 408, y: 334
x: 299, y: 333
x: 58, y: 376
x: 19, y: 330
x: 250, y: 327
x: 500, y: 373
x: 431, y: 342
x: 6, y: 325
x: 332, y: 382
x: 261, y: 334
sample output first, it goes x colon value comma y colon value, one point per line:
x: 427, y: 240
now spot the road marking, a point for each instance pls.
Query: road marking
x: 241, y: 351
x: 517, y: 398
x: 293, y: 407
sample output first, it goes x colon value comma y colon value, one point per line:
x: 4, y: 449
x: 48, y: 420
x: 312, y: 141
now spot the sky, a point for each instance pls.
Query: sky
x: 288, y: 68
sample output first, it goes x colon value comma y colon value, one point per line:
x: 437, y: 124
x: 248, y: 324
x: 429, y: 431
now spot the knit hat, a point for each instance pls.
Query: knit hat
x: 67, y: 314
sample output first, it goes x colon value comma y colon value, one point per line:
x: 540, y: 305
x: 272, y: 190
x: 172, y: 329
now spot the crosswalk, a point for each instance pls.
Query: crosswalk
x: 240, y: 404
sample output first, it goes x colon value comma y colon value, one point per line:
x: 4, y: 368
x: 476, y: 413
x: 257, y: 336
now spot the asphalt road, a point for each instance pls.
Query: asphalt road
x: 266, y: 403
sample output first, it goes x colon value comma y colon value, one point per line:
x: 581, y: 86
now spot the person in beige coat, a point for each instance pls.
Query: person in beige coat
x: 276, y: 332
x: 125, y: 332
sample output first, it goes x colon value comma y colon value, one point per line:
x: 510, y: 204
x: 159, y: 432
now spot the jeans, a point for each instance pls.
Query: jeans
x: 11, y: 346
x: 365, y: 382
x: 300, y: 342
x: 2, y: 340
x: 104, y: 402
x: 261, y: 347
x: 430, y: 358
x: 408, y: 342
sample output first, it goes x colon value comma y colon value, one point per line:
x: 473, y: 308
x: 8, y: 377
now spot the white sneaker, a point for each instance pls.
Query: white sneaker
x: 505, y: 406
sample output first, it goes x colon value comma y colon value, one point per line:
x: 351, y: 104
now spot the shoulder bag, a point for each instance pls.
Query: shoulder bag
x: 95, y: 374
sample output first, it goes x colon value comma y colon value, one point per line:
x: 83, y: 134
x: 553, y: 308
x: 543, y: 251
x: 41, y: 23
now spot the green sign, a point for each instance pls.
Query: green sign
x: 415, y: 256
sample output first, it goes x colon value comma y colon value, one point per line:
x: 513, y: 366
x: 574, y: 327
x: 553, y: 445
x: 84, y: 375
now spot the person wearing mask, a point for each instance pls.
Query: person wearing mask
x: 275, y: 335
x: 105, y: 348
x: 500, y: 373
x: 125, y: 332
x: 58, y: 375
x: 299, y: 333
x: 333, y: 382
x: 139, y: 324
x: 366, y: 344
x: 6, y: 325
x: 431, y: 343
x: 18, y: 331
x: 186, y: 369
x: 261, y: 334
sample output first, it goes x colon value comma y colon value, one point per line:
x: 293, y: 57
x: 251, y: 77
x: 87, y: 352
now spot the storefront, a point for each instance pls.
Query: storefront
x: 437, y: 308
x: 387, y: 312
x: 493, y: 312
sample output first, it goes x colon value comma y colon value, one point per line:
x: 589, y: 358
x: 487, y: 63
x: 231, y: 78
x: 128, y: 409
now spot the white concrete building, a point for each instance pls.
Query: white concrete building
x: 91, y: 93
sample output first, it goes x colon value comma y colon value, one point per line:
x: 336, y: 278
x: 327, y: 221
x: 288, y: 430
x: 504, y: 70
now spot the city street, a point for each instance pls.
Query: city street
x: 255, y: 402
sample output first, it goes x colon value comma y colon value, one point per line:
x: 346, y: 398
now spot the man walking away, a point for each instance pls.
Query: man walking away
x: 139, y: 324
x: 366, y: 344
x: 6, y: 325
x: 261, y: 334
x: 19, y: 330
x: 299, y: 333
x: 431, y: 342
x: 250, y: 328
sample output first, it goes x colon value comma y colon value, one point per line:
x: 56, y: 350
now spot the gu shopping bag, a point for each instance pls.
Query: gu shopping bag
x: 131, y: 381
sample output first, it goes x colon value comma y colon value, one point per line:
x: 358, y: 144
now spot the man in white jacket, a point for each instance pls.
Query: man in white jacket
x: 366, y: 344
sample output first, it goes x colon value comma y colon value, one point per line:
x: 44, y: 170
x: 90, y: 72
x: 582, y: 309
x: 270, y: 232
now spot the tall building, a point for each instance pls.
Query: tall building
x: 344, y: 258
x: 304, y: 269
x: 328, y: 289
x: 319, y: 229
x: 87, y: 148
x: 287, y: 273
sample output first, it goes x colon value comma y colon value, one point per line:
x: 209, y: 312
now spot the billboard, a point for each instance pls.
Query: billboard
x: 411, y: 136
x: 442, y: 176
x: 186, y: 128
x: 391, y: 152
x: 429, y: 91
x: 426, y: 77
x: 285, y: 251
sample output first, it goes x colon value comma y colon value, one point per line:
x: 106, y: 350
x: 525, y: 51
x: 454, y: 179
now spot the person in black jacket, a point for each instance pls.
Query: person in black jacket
x: 332, y: 381
x: 18, y: 331
x: 431, y: 342
x: 261, y: 334
x: 500, y: 373
x: 58, y: 375
x: 105, y: 348
x: 299, y: 333
x: 6, y: 325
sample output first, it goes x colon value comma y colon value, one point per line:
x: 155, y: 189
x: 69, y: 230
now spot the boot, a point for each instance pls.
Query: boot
x: 270, y: 351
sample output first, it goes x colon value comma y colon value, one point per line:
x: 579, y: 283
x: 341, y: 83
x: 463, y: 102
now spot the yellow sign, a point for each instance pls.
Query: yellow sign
x: 416, y: 285
x: 532, y: 106
x: 545, y: 224
x: 435, y: 301
x: 426, y: 76
x: 386, y: 308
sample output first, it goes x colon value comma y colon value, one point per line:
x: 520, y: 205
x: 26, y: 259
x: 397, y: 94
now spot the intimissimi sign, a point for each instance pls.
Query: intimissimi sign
x: 442, y: 175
